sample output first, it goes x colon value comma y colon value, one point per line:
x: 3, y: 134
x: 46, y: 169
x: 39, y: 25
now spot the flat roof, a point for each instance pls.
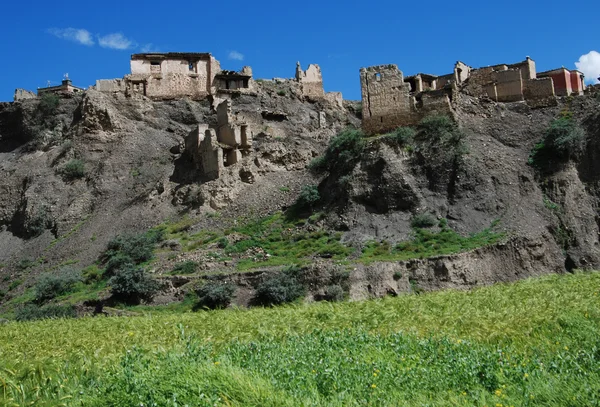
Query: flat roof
x: 173, y: 55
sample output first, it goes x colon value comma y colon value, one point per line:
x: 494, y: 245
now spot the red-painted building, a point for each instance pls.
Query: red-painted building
x: 566, y: 82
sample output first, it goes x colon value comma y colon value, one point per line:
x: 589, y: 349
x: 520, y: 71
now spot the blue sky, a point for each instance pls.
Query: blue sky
x: 42, y: 40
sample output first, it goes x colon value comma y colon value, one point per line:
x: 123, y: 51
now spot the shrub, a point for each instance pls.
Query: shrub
x: 31, y: 312
x: 131, y: 284
x: 280, y: 288
x: 397, y: 276
x: 342, y: 153
x: 222, y: 243
x: 423, y: 220
x: 135, y: 249
x: 185, y: 267
x: 49, y: 103
x: 440, y: 138
x: 92, y: 274
x: 24, y: 264
x: 117, y: 261
x: 2, y: 294
x: 309, y: 196
x: 401, y: 136
x: 215, y: 295
x: 74, y: 169
x: 281, y: 93
x: 334, y: 293
x: 14, y: 284
x: 39, y: 222
x: 50, y: 286
x: 563, y: 140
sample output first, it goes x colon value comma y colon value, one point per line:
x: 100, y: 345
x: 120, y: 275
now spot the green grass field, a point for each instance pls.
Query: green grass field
x: 531, y: 343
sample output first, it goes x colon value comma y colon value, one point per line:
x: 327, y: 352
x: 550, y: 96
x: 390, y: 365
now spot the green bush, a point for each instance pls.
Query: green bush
x: 280, y: 288
x: 397, y: 276
x: 334, y: 293
x: 222, y: 242
x: 131, y: 249
x: 38, y: 223
x: 185, y: 267
x: 563, y: 139
x: 117, y: 261
x: 281, y: 92
x: 2, y: 294
x: 423, y: 220
x: 132, y: 285
x: 401, y: 136
x: 215, y: 295
x: 50, y: 286
x: 31, y: 312
x: 440, y: 138
x: 309, y: 196
x: 342, y: 153
x: 74, y: 169
x: 49, y: 103
x: 92, y: 274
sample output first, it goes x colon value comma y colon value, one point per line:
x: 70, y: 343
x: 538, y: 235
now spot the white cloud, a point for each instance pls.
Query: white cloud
x: 116, y: 41
x: 78, y: 35
x: 236, y: 56
x: 589, y: 64
x: 149, y: 48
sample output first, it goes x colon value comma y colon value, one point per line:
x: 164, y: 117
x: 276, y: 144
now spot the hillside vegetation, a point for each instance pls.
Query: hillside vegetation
x: 531, y: 343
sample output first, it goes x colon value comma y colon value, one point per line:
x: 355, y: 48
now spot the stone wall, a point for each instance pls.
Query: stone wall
x: 386, y: 100
x: 202, y: 146
x: 540, y: 92
x: 509, y: 85
x: 23, y: 94
x: 311, y: 80
x: 111, y: 85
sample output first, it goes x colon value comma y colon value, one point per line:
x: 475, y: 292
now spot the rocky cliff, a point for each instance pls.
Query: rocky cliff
x: 74, y: 175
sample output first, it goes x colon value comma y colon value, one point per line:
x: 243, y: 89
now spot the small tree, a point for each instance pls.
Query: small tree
x: 49, y: 103
x: 280, y: 288
x: 50, y: 286
x: 131, y: 284
x: 215, y: 295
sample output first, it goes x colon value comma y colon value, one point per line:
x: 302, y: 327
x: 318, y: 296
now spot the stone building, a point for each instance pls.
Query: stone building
x: 566, y: 82
x: 389, y: 100
x: 65, y: 88
x: 178, y: 74
x: 23, y: 94
x: 311, y: 80
x: 212, y: 149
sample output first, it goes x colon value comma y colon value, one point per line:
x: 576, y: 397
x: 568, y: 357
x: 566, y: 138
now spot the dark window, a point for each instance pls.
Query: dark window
x: 191, y: 66
x: 155, y: 63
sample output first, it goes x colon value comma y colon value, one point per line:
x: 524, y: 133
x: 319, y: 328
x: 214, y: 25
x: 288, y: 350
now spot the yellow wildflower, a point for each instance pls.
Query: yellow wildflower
x: 373, y: 386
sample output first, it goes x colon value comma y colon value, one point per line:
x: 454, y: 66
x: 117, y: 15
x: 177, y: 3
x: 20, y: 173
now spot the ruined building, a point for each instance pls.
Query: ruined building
x: 390, y: 100
x: 212, y: 149
x: 177, y: 74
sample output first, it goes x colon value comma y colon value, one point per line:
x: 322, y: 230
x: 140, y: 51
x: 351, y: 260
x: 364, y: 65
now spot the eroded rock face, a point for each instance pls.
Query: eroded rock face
x: 135, y: 179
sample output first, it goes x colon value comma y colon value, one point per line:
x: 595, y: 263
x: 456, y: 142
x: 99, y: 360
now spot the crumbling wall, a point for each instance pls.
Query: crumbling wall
x: 386, y: 100
x: 509, y: 85
x: 111, y: 85
x: 540, y: 92
x: 23, y: 94
x: 436, y: 102
x: 335, y: 98
x: 311, y: 80
x: 201, y: 144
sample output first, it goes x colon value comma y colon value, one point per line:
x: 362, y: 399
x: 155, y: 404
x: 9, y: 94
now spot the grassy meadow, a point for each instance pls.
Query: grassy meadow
x: 530, y: 343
